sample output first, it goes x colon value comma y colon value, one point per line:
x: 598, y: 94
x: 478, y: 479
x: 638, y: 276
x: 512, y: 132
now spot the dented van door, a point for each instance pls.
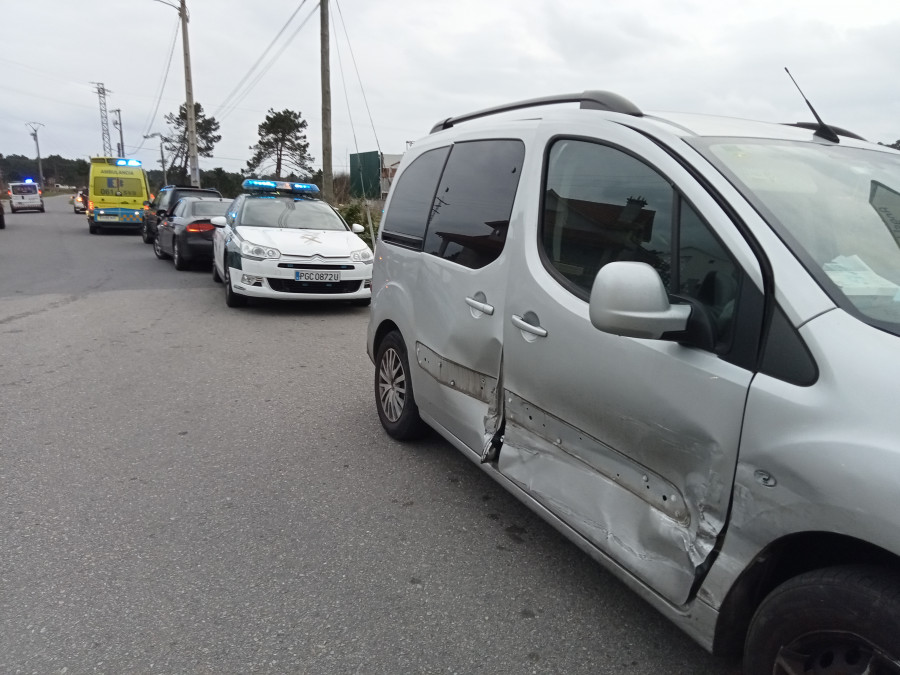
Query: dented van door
x: 632, y: 442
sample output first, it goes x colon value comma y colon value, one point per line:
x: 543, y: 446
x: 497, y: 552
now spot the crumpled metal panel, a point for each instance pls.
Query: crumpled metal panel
x: 639, y: 480
x: 655, y: 547
x: 478, y: 385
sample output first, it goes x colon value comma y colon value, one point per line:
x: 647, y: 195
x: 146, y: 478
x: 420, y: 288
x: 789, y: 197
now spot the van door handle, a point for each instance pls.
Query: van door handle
x: 482, y: 307
x: 522, y: 324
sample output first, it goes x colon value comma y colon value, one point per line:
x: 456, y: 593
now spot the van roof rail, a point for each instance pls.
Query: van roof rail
x: 590, y: 100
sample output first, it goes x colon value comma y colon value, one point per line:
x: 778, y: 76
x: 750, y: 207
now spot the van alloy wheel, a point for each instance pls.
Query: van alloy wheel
x: 394, y: 397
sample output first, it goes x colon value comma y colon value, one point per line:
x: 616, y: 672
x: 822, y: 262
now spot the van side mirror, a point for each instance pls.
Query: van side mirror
x: 629, y: 299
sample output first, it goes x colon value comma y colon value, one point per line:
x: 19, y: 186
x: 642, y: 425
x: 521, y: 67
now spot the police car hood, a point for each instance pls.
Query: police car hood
x: 290, y: 241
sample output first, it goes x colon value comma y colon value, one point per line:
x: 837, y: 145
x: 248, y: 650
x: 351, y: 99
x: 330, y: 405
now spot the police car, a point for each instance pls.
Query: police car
x: 280, y: 241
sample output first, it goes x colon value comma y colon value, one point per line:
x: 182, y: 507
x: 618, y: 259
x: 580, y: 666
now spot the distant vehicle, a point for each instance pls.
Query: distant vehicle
x: 676, y: 338
x: 25, y: 196
x: 80, y: 201
x: 164, y: 202
x: 117, y: 191
x: 280, y: 241
x: 186, y: 235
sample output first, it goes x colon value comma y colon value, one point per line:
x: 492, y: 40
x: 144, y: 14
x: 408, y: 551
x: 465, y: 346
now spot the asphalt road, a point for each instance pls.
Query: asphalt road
x: 187, y: 488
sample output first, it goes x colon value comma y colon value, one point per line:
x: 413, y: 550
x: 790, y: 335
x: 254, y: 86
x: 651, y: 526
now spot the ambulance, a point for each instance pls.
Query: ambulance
x: 118, y: 194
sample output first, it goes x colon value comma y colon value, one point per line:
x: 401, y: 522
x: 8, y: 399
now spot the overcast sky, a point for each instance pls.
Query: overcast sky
x: 418, y: 61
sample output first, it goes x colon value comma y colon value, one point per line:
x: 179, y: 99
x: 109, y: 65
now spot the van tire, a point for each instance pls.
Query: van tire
x: 394, y: 396
x: 840, y: 619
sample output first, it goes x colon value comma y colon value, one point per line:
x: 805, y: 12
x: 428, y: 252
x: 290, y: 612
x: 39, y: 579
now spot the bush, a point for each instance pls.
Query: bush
x: 355, y: 212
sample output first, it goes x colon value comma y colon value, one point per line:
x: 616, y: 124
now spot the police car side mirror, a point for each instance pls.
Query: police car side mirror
x: 357, y: 228
x: 218, y: 221
x: 629, y: 299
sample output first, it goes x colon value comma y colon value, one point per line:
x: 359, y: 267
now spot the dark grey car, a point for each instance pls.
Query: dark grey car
x: 186, y: 235
x: 164, y: 202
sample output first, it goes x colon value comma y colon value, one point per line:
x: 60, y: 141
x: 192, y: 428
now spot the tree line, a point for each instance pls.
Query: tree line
x: 281, y: 151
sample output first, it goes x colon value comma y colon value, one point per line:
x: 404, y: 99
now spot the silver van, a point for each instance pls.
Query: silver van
x: 676, y: 338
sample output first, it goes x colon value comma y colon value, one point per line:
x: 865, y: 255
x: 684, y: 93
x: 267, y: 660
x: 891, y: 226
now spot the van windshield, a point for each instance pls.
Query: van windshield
x: 836, y: 207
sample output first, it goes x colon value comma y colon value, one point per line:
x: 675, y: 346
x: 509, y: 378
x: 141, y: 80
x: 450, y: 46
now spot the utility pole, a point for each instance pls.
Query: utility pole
x: 104, y: 119
x: 327, y: 178
x: 162, y: 157
x: 121, y: 152
x: 189, y: 102
x: 34, y: 134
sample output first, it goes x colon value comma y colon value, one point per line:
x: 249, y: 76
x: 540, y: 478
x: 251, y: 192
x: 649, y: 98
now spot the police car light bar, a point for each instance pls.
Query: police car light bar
x: 128, y: 162
x: 256, y: 185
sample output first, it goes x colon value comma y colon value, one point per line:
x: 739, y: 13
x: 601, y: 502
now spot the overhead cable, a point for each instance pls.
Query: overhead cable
x: 226, y: 105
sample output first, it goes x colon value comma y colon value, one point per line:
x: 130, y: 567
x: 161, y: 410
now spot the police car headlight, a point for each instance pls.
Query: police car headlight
x: 363, y: 255
x: 251, y: 250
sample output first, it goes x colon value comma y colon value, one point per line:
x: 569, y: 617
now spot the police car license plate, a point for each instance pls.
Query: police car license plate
x: 316, y: 275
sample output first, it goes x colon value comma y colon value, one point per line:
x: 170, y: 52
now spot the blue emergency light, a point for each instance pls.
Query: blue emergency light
x: 256, y: 185
x: 28, y: 180
x: 128, y: 162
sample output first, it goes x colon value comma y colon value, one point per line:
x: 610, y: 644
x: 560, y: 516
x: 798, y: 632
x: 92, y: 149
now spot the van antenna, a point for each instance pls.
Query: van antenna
x: 823, y: 131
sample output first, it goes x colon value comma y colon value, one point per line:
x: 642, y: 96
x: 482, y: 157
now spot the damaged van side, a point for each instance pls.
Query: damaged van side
x: 641, y: 325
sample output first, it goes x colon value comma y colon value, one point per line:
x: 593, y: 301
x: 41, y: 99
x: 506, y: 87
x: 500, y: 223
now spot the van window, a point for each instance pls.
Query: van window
x: 24, y: 189
x: 412, y: 198
x: 471, y: 210
x: 602, y: 205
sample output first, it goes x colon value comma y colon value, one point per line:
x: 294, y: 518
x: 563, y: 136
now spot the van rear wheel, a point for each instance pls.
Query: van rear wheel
x: 394, y: 397
x: 834, y: 621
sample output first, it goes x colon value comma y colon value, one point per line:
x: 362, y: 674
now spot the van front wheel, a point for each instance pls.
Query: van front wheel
x: 840, y: 620
x: 394, y: 397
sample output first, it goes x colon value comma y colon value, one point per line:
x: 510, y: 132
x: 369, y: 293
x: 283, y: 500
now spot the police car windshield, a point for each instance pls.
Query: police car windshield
x: 290, y: 213
x: 837, y: 207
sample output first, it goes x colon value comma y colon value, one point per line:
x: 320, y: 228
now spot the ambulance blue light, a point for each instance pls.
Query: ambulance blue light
x: 128, y: 162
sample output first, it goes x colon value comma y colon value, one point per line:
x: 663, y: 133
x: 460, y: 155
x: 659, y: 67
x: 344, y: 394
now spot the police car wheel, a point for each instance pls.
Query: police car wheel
x: 232, y: 299
x: 215, y: 273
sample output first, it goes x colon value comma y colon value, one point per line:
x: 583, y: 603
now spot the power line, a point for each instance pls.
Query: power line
x: 226, y: 102
x: 284, y: 46
x: 358, y: 78
x: 152, y: 118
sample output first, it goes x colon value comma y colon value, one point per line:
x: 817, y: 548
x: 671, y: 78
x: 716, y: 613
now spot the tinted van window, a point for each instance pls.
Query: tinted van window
x: 603, y: 205
x: 470, y: 214
x: 412, y: 199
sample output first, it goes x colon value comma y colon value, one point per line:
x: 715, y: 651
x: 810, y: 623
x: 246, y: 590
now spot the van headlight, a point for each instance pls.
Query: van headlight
x: 251, y: 250
x: 363, y: 255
